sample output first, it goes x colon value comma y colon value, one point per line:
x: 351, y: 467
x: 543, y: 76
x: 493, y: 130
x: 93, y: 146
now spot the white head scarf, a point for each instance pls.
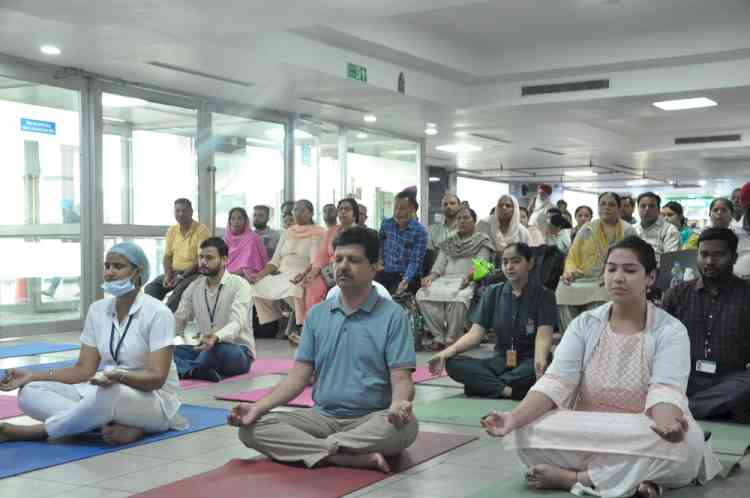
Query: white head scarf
x: 516, y: 232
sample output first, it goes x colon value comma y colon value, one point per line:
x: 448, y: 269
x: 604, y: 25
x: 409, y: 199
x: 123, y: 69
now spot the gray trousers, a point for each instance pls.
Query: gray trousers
x: 720, y: 395
x: 304, y: 435
x: 156, y: 289
x: 446, y: 320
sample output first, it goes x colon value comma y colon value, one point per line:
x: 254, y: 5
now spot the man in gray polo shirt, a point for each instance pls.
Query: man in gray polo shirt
x: 360, y: 347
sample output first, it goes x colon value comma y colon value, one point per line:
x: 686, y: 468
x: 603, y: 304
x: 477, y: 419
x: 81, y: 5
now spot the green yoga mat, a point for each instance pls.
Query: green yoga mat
x: 728, y: 438
x: 459, y: 410
x: 515, y: 488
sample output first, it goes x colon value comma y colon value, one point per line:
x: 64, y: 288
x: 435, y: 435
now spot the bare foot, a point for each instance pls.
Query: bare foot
x: 550, y: 477
x: 12, y: 432
x: 374, y: 461
x: 116, y: 434
x: 648, y: 489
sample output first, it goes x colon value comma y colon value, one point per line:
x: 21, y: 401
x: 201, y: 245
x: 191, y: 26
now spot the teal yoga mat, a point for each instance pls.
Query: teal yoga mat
x: 459, y: 410
x: 728, y: 438
x: 34, y: 348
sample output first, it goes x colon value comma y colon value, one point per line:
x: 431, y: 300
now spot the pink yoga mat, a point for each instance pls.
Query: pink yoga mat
x: 9, y: 407
x: 263, y: 477
x: 260, y: 367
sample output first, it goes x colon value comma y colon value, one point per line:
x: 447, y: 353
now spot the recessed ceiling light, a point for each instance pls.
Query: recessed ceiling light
x: 111, y: 100
x: 370, y: 118
x: 50, y: 50
x: 431, y: 131
x: 581, y: 173
x: 701, y: 182
x: 682, y: 104
x: 434, y: 179
x: 637, y: 183
x: 458, y: 148
x: 361, y: 135
x: 431, y: 125
x: 407, y: 152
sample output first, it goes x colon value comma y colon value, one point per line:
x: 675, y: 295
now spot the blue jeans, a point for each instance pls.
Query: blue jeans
x: 226, y: 358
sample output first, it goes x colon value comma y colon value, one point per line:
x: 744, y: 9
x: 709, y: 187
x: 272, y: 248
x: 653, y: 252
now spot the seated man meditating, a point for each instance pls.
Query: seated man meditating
x: 715, y: 308
x: 130, y: 335
x: 219, y: 301
x: 360, y: 347
x: 610, y: 417
x: 522, y: 314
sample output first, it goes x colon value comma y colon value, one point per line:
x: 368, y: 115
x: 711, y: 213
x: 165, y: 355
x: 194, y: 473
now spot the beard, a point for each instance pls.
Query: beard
x: 209, y: 272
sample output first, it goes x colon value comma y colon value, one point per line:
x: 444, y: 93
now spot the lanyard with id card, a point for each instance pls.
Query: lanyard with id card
x: 511, y: 356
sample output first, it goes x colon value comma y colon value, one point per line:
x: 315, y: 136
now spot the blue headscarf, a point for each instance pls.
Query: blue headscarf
x: 135, y: 255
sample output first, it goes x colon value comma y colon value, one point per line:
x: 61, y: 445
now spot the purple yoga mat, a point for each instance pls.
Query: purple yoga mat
x: 260, y: 367
x: 9, y: 407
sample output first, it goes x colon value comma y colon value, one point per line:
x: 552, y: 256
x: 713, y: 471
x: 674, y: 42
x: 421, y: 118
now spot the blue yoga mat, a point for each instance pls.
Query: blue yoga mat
x: 20, y: 457
x: 34, y: 348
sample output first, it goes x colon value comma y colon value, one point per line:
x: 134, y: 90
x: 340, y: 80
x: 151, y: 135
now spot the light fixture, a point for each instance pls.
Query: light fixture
x: 581, y: 173
x: 114, y: 120
x: 111, y: 100
x: 458, y: 148
x: 406, y: 152
x: 431, y: 125
x: 637, y: 183
x: 702, y: 182
x: 431, y: 131
x: 50, y: 50
x: 277, y: 133
x: 361, y: 135
x: 434, y: 179
x: 370, y: 118
x: 682, y: 104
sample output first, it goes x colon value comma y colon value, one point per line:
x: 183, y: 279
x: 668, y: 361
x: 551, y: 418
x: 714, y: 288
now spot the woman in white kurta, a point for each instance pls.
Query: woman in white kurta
x: 282, y: 278
x: 610, y: 416
x: 446, y: 292
x: 130, y: 337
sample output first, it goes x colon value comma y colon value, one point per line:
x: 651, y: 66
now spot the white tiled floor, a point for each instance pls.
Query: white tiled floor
x: 458, y: 473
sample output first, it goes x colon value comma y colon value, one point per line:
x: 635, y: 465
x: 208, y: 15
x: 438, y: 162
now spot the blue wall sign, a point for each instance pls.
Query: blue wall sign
x: 36, y: 126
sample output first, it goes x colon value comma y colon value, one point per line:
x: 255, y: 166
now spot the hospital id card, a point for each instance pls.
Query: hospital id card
x: 705, y: 366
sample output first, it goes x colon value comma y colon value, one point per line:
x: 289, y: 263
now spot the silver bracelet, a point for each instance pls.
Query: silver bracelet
x: 49, y: 373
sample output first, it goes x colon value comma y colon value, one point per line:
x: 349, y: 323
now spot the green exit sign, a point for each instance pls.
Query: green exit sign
x: 356, y: 72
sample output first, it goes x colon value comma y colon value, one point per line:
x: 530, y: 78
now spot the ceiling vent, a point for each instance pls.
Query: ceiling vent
x: 571, y: 86
x: 708, y: 139
x: 489, y: 137
x: 548, y: 151
x: 187, y: 70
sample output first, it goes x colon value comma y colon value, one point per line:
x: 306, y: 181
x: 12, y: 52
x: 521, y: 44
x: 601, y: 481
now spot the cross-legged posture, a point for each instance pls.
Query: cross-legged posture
x: 131, y: 336
x: 715, y: 308
x: 180, y: 256
x: 610, y: 416
x: 522, y: 314
x: 447, y: 291
x: 220, y: 302
x: 361, y: 350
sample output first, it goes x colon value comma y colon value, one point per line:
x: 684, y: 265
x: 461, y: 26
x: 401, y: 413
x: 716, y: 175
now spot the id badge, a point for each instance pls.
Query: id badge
x: 705, y: 366
x: 530, y: 329
x: 511, y: 358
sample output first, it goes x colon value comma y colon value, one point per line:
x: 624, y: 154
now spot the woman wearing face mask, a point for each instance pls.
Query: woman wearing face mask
x: 610, y: 416
x: 130, y: 335
x: 582, y: 282
x: 247, y: 254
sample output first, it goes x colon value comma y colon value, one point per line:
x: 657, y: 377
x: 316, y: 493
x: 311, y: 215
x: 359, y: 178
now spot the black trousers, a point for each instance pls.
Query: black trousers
x: 487, y: 377
x: 390, y: 281
x: 720, y: 396
x: 156, y: 289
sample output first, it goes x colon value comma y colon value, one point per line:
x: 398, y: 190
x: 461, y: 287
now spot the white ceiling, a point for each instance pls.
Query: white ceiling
x: 464, y: 63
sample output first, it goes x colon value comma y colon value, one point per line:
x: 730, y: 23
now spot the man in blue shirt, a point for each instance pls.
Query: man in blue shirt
x: 362, y: 352
x: 403, y: 245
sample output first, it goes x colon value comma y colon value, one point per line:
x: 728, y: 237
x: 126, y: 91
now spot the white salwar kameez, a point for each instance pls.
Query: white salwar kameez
x: 605, y: 386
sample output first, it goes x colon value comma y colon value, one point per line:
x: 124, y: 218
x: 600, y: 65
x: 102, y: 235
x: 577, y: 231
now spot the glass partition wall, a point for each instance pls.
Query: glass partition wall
x: 89, y: 163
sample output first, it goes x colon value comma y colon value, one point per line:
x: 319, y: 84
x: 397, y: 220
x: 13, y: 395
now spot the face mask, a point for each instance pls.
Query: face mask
x: 118, y: 288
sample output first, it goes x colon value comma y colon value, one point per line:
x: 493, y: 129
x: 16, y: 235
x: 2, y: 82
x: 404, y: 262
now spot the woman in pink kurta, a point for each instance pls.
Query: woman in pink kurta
x: 610, y: 417
x: 247, y: 254
x: 316, y: 286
